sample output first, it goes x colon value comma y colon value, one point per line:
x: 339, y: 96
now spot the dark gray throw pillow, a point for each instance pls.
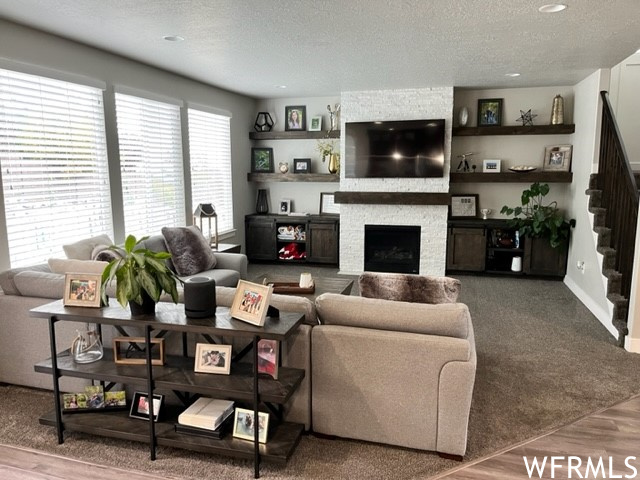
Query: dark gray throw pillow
x: 190, y: 251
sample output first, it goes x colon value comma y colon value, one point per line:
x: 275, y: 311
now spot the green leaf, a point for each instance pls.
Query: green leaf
x: 129, y: 243
x: 148, y: 282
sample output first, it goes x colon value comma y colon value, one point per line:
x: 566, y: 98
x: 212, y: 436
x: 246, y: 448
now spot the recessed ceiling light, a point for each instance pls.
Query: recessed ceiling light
x: 281, y: 86
x: 173, y: 38
x: 552, y: 8
x: 512, y: 74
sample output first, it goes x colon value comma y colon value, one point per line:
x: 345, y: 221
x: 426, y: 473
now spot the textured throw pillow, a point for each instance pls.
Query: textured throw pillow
x: 63, y: 265
x: 82, y: 249
x: 409, y: 288
x: 190, y: 251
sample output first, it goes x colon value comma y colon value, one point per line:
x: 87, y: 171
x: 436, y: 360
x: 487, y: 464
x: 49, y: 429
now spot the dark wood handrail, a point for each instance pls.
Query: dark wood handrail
x: 619, y: 196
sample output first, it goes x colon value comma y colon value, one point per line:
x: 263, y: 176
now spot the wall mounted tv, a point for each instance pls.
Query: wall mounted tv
x: 397, y: 149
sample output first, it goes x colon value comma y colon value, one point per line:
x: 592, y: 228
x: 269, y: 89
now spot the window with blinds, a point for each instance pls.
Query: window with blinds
x: 210, y: 153
x: 151, y: 162
x: 54, y: 165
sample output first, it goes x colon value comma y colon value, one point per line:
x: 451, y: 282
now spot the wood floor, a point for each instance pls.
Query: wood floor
x: 612, y: 434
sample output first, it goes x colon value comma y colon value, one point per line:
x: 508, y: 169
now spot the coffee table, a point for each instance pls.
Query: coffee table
x: 340, y: 286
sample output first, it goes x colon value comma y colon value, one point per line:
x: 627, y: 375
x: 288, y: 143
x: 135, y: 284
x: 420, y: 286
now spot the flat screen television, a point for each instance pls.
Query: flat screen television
x: 398, y: 149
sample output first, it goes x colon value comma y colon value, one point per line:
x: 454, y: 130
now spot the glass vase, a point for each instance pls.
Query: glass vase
x: 86, y: 346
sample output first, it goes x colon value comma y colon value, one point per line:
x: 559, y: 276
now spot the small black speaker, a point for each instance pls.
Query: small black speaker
x: 200, y: 297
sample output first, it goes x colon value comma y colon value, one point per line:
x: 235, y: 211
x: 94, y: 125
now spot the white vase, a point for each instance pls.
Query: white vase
x: 463, y: 116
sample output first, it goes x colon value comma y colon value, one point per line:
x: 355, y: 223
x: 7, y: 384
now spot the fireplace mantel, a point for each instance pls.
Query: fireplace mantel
x: 392, y: 198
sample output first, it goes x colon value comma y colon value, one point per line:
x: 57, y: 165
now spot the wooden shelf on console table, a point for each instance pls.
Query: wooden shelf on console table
x: 511, y: 177
x: 293, y: 177
x: 297, y: 135
x: 392, y: 198
x: 514, y: 130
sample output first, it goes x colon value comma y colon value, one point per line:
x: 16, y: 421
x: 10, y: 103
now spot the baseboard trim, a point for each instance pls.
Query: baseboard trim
x: 604, y: 317
x: 632, y: 344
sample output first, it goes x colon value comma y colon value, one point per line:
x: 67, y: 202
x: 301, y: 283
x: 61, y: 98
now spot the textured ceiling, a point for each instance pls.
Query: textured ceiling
x: 323, y: 47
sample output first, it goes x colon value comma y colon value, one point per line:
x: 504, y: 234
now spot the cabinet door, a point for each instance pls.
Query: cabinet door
x: 466, y: 249
x: 260, y: 238
x: 323, y: 242
x: 541, y: 259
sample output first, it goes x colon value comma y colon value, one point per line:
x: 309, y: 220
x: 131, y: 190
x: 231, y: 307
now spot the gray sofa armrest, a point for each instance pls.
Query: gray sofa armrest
x: 39, y: 284
x: 232, y: 261
x: 7, y: 283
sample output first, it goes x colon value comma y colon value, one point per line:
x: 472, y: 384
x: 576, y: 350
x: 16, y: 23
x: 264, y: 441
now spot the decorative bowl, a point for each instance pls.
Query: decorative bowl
x: 522, y: 168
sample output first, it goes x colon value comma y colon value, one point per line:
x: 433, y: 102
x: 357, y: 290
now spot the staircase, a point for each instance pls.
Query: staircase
x: 613, y: 200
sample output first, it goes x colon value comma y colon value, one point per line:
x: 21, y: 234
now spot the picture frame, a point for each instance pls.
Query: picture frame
x: 212, y: 358
x: 284, y: 207
x: 262, y: 160
x: 315, y: 124
x: 268, y: 355
x: 295, y: 118
x: 490, y: 112
x: 135, y: 353
x: 301, y: 165
x: 82, y: 290
x: 491, y: 166
x: 557, y: 158
x: 251, y: 302
x: 328, y: 205
x: 140, y: 406
x: 464, y: 206
x: 94, y: 398
x: 243, y: 426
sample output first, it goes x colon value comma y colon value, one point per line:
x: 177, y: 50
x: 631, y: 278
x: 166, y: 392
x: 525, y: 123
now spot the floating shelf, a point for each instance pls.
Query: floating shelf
x: 514, y: 130
x: 392, y: 198
x: 511, y: 177
x: 293, y: 177
x: 297, y: 135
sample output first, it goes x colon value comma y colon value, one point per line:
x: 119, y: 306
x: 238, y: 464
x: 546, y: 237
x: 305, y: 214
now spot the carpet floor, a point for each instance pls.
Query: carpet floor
x: 543, y: 361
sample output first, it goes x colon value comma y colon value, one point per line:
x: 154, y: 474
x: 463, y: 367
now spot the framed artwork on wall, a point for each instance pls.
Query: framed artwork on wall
x: 295, y: 118
x: 557, y: 158
x: 464, y: 206
x: 490, y: 112
x: 262, y: 160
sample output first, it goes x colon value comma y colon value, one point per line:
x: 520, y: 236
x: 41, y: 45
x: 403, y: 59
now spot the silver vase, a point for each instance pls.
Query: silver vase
x: 557, y: 111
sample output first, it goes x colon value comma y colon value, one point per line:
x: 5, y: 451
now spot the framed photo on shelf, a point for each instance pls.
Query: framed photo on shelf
x: 557, y: 158
x: 301, y: 165
x: 491, y: 166
x: 464, y: 206
x: 328, y: 205
x: 268, y: 352
x: 82, y: 290
x: 213, y: 358
x: 295, y: 117
x: 284, y: 207
x: 132, y: 351
x: 490, y: 112
x: 315, y: 124
x: 251, y: 302
x: 262, y: 160
x: 243, y: 426
x: 140, y: 406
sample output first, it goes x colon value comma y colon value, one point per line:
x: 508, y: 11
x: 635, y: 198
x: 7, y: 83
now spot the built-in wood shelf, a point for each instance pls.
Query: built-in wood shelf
x: 293, y: 177
x: 514, y: 130
x: 297, y: 135
x: 511, y: 177
x: 392, y: 198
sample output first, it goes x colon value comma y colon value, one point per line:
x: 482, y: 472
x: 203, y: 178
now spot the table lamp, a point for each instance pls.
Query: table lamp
x: 208, y: 211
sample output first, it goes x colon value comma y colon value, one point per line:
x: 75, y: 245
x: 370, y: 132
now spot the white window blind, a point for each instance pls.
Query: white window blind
x: 210, y: 151
x: 54, y: 165
x: 151, y: 163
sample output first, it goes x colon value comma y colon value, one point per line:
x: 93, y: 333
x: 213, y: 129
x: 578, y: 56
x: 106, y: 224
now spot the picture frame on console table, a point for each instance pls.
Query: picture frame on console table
x: 243, y: 425
x: 213, y: 358
x: 328, y: 205
x: 464, y: 206
x: 140, y: 406
x: 82, y: 290
x: 251, y: 302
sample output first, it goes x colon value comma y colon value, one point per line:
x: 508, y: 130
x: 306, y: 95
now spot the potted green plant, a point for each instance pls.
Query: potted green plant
x: 141, y: 276
x: 535, y: 219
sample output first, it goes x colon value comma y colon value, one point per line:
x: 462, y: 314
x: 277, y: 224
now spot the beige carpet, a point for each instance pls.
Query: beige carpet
x: 543, y: 361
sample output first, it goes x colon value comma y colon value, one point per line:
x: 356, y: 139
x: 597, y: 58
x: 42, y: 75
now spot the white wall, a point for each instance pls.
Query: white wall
x: 25, y: 45
x: 624, y: 95
x: 511, y: 149
x: 305, y: 196
x: 589, y: 285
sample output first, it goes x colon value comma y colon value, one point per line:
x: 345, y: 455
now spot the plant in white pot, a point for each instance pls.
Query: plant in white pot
x: 141, y: 276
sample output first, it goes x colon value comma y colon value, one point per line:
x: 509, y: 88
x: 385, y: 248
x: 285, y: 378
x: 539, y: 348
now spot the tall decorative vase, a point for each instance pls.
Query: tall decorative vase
x: 557, y: 111
x: 334, y: 163
x: 262, y: 206
x: 463, y: 117
x: 87, y: 347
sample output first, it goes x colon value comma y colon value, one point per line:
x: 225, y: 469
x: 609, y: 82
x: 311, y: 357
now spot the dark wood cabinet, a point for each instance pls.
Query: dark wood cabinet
x: 490, y: 246
x: 314, y: 240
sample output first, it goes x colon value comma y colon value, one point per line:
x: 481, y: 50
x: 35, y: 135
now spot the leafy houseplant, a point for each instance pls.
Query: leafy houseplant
x: 325, y: 148
x: 139, y: 272
x: 537, y: 220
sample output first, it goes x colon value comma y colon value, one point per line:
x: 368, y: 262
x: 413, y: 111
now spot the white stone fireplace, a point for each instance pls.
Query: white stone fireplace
x: 411, y: 104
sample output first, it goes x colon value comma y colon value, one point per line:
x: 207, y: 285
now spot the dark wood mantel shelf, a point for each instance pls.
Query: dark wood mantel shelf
x: 511, y: 177
x: 392, y: 198
x: 514, y: 130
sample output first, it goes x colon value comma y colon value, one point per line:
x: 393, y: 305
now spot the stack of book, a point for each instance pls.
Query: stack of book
x: 208, y: 417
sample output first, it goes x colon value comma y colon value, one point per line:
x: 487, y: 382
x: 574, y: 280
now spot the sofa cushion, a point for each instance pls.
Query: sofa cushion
x: 7, y: 283
x: 82, y: 249
x: 190, y: 251
x: 63, y: 265
x: 446, y: 319
x: 409, y: 288
x: 31, y: 283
